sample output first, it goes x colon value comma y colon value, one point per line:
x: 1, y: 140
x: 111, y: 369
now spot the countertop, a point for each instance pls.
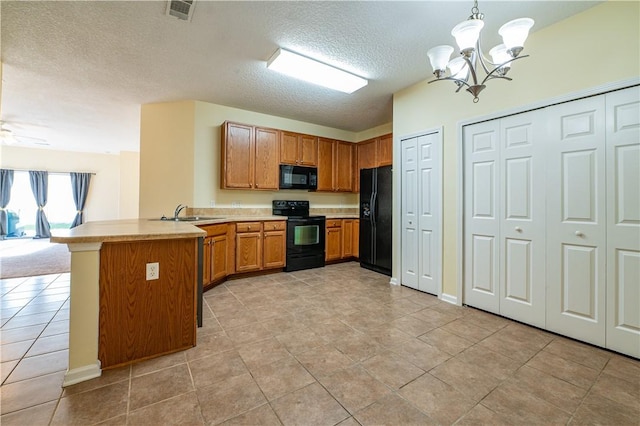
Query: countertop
x: 126, y: 230
x: 154, y: 229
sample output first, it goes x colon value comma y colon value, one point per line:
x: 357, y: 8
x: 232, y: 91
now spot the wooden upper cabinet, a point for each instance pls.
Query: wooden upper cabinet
x: 298, y: 149
x: 343, y: 166
x: 385, y: 150
x: 237, y: 156
x: 249, y: 157
x: 335, y: 165
x: 367, y: 152
x: 266, y: 159
x: 308, y: 150
x: 325, y: 164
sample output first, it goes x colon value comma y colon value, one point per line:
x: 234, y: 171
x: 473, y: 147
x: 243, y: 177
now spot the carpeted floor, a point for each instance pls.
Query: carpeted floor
x: 27, y: 257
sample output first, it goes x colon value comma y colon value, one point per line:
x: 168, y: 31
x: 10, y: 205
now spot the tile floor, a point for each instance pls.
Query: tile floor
x: 335, y: 345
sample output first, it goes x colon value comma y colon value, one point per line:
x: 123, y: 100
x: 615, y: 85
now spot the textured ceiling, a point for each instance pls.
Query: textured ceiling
x: 75, y: 73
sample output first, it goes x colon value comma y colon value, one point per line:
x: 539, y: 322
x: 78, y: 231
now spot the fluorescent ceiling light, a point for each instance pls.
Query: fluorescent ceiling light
x: 315, y: 72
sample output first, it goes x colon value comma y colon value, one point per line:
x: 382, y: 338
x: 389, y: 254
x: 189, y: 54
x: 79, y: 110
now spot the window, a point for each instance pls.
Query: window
x: 22, y: 208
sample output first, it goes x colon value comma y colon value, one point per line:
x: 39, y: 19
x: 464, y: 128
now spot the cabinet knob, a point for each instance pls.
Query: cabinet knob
x: 410, y: 223
x: 518, y: 229
x: 579, y: 234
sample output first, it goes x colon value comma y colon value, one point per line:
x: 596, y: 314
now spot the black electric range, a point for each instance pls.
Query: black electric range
x: 305, y: 235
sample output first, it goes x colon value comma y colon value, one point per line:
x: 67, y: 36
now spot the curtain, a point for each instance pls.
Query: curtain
x: 80, y: 187
x: 6, y: 180
x: 39, y: 186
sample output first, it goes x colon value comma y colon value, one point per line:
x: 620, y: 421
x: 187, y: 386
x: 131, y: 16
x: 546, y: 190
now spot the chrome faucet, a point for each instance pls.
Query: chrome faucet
x: 178, y: 210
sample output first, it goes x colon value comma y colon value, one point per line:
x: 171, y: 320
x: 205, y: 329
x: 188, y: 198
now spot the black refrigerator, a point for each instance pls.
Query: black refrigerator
x: 375, y: 219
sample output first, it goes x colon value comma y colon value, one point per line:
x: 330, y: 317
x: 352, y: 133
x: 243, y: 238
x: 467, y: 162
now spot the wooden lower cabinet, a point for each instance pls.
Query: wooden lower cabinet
x: 342, y: 239
x: 260, y: 245
x: 140, y: 318
x: 274, y: 244
x: 218, y: 254
x: 356, y: 238
x: 333, y: 240
x: 347, y: 238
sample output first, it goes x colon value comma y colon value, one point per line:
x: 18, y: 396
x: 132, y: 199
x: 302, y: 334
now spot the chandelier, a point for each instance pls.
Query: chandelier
x: 464, y: 69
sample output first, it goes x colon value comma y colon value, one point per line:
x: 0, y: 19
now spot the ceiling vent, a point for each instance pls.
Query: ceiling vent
x: 181, y: 9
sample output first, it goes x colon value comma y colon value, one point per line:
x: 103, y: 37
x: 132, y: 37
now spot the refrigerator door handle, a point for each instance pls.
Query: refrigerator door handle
x: 374, y: 199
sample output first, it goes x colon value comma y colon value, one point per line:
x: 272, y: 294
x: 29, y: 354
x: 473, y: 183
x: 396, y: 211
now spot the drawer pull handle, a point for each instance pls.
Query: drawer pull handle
x: 518, y: 229
x: 579, y: 234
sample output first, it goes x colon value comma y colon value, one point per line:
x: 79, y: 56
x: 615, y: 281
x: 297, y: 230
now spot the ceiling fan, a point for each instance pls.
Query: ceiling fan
x: 8, y: 137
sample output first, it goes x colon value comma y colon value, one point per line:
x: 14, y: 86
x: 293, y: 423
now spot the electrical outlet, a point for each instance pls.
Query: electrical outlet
x: 212, y: 203
x: 235, y: 204
x: 153, y: 271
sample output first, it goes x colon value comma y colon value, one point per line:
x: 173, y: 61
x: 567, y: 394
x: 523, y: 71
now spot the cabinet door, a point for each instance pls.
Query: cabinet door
x: 207, y: 261
x: 343, y: 166
x: 275, y: 247
x: 308, y: 150
x: 334, y: 243
x: 347, y: 238
x: 288, y: 148
x: 385, y: 150
x: 237, y: 156
x: 356, y: 238
x: 266, y: 159
x: 248, y: 251
x: 325, y: 164
x: 219, y: 257
x: 367, y: 155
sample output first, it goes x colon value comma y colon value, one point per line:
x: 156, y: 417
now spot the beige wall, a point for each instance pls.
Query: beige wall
x: 598, y: 46
x: 103, y: 201
x: 129, y: 184
x: 180, y: 158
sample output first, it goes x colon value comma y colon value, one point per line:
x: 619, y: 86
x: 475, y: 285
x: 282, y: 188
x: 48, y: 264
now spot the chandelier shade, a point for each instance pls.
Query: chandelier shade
x: 465, y: 69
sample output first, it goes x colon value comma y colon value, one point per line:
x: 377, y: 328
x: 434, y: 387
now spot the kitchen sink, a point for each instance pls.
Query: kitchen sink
x: 190, y: 218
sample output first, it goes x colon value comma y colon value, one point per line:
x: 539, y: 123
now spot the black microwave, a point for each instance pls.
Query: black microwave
x: 298, y: 177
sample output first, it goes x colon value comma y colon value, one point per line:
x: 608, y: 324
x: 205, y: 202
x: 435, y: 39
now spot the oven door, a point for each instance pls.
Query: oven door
x: 305, y: 236
x: 305, y: 243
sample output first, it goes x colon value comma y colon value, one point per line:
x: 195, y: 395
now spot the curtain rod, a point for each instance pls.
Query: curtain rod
x: 49, y: 171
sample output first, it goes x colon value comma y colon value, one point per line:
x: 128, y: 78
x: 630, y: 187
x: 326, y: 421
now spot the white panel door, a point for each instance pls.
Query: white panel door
x: 623, y: 221
x: 409, y: 191
x: 430, y: 224
x: 576, y: 231
x: 522, y: 224
x: 481, y: 216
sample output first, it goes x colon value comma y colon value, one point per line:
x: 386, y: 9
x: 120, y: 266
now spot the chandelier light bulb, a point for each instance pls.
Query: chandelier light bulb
x: 457, y: 68
x: 466, y: 34
x: 439, y: 57
x: 514, y: 33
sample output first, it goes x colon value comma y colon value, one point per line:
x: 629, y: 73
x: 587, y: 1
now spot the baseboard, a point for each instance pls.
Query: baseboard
x: 82, y: 374
x: 394, y: 281
x: 449, y: 298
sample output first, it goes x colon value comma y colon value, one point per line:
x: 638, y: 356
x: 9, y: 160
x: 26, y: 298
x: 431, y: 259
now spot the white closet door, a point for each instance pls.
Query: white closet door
x: 481, y: 216
x: 576, y: 237
x: 409, y: 190
x: 522, y: 214
x: 623, y: 221
x: 430, y: 225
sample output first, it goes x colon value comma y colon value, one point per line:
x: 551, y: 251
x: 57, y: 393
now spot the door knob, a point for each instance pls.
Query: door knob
x: 518, y: 229
x: 579, y: 234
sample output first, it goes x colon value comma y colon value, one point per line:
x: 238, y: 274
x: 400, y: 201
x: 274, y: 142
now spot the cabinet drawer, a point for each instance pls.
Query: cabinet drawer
x: 276, y: 225
x: 248, y: 226
x: 334, y: 223
x: 214, y: 230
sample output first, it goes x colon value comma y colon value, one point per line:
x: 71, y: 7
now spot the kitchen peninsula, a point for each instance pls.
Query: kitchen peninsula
x: 119, y: 315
